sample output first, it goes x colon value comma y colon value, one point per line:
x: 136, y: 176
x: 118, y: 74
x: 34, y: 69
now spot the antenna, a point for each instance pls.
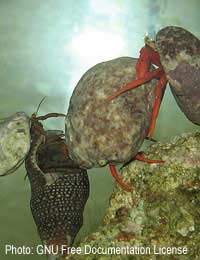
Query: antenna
x: 40, y: 105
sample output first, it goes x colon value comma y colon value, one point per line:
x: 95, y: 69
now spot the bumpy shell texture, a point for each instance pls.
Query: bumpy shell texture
x: 14, y: 140
x: 99, y: 132
x: 57, y: 207
x: 161, y: 212
x: 180, y: 56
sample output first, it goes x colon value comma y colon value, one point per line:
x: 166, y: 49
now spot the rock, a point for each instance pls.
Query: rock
x: 180, y: 56
x: 99, y: 132
x: 162, y: 211
x: 14, y: 141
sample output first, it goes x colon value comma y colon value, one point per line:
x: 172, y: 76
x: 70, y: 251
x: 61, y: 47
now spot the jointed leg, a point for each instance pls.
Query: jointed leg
x: 50, y: 115
x: 149, y: 75
x: 117, y: 178
x: 160, y: 89
x: 139, y: 157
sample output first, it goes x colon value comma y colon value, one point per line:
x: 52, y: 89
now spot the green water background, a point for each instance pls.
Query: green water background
x: 45, y: 47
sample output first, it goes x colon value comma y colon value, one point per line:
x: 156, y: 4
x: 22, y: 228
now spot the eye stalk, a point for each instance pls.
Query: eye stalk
x: 150, y: 42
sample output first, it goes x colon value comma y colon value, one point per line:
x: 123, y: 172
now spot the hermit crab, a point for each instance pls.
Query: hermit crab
x: 100, y: 132
x: 59, y: 187
x: 176, y: 52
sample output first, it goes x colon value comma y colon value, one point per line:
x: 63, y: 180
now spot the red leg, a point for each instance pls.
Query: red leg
x: 117, y: 178
x: 160, y: 89
x: 139, y: 157
x: 148, y: 76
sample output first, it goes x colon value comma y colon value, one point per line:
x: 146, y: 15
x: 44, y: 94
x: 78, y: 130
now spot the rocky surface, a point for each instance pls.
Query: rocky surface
x: 14, y: 140
x: 162, y: 211
x: 180, y: 56
x: 99, y: 132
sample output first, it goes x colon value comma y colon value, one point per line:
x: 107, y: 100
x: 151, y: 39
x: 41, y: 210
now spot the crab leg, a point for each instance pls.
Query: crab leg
x: 136, y: 83
x: 117, y: 178
x: 160, y: 89
x: 50, y: 115
x: 139, y: 157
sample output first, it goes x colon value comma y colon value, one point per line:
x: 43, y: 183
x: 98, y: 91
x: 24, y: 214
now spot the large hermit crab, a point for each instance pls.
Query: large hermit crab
x: 100, y: 133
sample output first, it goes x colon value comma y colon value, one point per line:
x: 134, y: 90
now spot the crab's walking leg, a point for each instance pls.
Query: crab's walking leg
x: 160, y: 89
x: 136, y: 83
x: 50, y: 115
x: 117, y: 178
x: 139, y: 157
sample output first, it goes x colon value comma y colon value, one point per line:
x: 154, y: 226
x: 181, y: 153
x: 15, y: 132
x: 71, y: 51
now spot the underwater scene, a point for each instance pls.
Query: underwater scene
x: 100, y: 130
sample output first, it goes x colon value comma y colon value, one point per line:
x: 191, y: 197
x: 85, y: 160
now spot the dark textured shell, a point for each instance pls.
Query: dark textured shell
x: 179, y: 51
x: 98, y: 132
x: 57, y: 207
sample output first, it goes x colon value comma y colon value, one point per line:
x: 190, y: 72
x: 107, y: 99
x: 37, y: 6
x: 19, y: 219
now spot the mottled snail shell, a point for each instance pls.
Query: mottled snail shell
x: 57, y: 198
x: 100, y: 132
x: 14, y: 141
x: 179, y: 52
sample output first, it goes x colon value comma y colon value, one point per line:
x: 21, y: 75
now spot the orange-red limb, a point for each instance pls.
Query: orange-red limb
x: 160, y: 89
x: 136, y: 83
x: 139, y: 157
x: 117, y: 178
x: 147, y: 57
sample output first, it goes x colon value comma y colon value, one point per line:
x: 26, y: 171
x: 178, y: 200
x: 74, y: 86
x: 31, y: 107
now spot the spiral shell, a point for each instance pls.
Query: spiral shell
x: 59, y: 191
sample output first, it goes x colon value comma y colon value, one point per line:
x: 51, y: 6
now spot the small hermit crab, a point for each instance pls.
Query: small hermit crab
x: 59, y: 187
